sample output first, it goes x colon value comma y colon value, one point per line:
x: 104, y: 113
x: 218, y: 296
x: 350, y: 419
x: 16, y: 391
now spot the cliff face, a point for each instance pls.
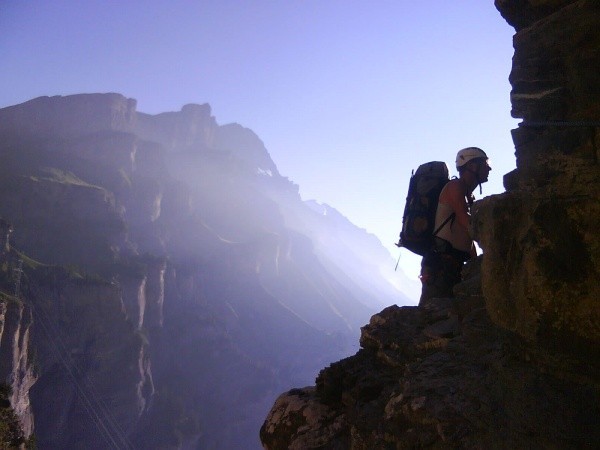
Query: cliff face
x: 83, y: 345
x: 68, y: 117
x: 441, y: 376
x: 64, y: 340
x: 512, y: 361
x: 540, y: 238
x: 15, y: 365
x: 199, y: 284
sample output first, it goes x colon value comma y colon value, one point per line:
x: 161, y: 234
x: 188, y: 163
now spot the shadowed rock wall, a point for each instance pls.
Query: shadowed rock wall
x: 540, y: 238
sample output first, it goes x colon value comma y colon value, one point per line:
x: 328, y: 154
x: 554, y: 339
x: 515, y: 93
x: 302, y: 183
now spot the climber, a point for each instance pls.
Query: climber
x: 441, y: 268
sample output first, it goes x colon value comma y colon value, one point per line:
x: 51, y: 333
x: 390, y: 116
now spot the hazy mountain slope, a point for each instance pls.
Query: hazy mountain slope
x: 236, y: 286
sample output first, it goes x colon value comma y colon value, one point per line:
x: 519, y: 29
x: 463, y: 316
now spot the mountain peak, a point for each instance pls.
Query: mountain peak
x: 203, y: 110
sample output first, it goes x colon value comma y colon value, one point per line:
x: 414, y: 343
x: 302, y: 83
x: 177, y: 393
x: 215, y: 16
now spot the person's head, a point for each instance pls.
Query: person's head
x: 473, y: 161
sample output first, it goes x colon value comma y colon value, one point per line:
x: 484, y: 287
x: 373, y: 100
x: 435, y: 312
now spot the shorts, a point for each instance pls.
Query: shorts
x: 440, y: 272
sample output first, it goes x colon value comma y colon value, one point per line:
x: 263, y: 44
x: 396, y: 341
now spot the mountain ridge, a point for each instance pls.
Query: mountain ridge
x: 223, y: 285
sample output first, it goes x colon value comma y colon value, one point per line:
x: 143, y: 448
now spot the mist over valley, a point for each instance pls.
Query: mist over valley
x: 174, y: 280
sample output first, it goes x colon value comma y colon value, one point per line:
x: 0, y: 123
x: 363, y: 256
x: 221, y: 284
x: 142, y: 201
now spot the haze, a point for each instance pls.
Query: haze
x: 347, y: 96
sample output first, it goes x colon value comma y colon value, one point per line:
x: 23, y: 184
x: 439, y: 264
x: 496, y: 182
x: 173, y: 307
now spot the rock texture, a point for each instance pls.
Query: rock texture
x: 183, y: 276
x: 540, y: 237
x: 83, y: 344
x: 441, y: 376
x: 15, y: 358
x: 513, y: 361
x: 69, y: 116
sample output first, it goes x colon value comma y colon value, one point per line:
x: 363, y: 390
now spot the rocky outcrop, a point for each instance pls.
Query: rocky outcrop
x: 61, y: 219
x: 246, y: 146
x: 441, y: 376
x: 68, y: 116
x: 512, y: 361
x: 193, y: 126
x: 11, y: 432
x: 155, y: 293
x: 540, y: 237
x: 143, y: 292
x: 16, y: 366
x: 106, y: 148
x: 522, y: 13
x: 64, y: 339
x: 83, y: 344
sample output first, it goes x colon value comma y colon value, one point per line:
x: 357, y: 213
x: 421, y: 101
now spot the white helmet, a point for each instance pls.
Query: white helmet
x: 467, y: 154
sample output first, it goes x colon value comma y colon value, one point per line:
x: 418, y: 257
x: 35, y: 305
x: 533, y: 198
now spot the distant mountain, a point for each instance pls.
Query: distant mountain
x: 191, y: 270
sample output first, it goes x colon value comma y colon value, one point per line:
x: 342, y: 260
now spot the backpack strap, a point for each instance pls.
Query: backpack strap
x: 451, y: 217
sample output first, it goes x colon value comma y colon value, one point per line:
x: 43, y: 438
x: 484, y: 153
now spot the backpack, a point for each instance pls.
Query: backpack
x: 421, y: 205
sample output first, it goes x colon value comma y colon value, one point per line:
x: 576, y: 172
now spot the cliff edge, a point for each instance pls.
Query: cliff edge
x: 513, y: 361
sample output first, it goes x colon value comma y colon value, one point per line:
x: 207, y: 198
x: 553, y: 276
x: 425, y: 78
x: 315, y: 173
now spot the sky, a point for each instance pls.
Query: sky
x: 348, y: 96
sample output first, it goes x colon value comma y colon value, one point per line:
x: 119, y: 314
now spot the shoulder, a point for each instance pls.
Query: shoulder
x: 453, y: 189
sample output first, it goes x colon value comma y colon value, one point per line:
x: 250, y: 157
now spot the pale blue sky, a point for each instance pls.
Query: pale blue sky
x: 348, y: 96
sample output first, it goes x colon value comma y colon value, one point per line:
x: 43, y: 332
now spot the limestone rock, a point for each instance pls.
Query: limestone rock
x: 477, y: 386
x: 192, y: 126
x: 87, y: 214
x: 521, y: 13
x: 540, y: 239
x: 16, y: 366
x: 313, y: 424
x: 68, y: 116
x: 84, y: 343
x: 244, y: 144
